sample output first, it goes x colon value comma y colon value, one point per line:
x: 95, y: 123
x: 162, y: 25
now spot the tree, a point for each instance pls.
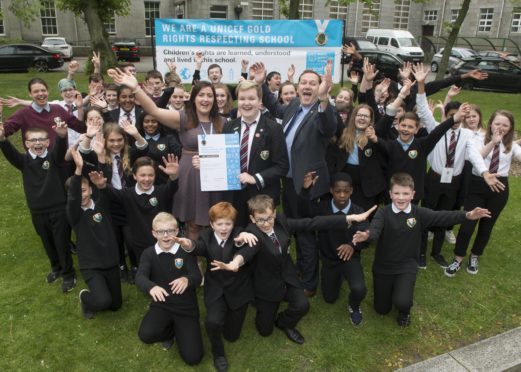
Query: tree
x: 93, y: 12
x: 290, y: 11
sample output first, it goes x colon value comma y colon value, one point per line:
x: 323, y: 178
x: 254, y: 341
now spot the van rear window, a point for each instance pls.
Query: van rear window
x: 383, y: 40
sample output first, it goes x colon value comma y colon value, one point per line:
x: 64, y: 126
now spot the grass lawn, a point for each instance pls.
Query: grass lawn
x: 42, y: 329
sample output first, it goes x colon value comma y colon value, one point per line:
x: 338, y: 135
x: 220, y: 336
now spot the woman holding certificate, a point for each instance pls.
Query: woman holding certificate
x: 201, y: 117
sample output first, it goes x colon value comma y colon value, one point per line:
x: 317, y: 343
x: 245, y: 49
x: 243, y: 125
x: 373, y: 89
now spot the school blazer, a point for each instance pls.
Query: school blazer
x: 235, y: 287
x: 113, y: 115
x: 268, y: 156
x: 308, y: 151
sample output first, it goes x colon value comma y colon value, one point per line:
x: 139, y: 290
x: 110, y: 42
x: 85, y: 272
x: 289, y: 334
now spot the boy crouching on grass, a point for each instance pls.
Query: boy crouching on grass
x: 398, y: 229
x: 45, y: 194
x: 171, y: 277
x: 96, y: 246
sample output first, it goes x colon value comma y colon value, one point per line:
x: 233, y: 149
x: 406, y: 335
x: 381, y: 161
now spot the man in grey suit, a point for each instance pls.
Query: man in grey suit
x: 308, y: 121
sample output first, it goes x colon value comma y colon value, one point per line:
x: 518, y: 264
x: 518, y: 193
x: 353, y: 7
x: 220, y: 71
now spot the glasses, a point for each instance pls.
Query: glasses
x: 35, y: 140
x: 363, y: 116
x: 166, y: 232
x: 262, y: 221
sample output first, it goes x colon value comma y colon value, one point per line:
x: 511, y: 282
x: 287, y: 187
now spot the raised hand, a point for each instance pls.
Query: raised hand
x: 463, y: 111
x: 259, y: 72
x: 310, y: 178
x: 158, y: 294
x: 405, y: 72
x: 122, y: 78
x: 454, y: 90
x: 76, y: 156
x: 354, y: 77
x: 348, y: 49
x: 185, y: 243
x: 245, y: 238
x: 291, y: 72
x: 172, y: 67
x: 98, y: 146
x: 11, y: 101
x: 371, y: 134
x: 73, y: 67
x: 244, y: 65
x: 199, y: 58
x: 99, y: 102
x: 327, y: 81
x: 369, y: 70
x: 476, y: 75
x: 60, y: 127
x: 129, y: 128
x: 98, y: 179
x: 420, y: 72
x: 362, y: 216
x: 179, y: 285
x: 171, y: 167
x: 406, y: 88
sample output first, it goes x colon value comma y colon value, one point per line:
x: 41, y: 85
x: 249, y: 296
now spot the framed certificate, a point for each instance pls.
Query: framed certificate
x: 220, y: 162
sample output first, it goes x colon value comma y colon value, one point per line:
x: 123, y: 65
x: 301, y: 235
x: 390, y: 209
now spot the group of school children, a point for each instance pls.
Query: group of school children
x: 118, y: 163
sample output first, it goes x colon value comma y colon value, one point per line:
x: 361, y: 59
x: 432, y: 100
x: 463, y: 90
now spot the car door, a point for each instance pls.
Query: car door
x: 389, y: 66
x: 491, y: 68
x: 509, y: 77
x: 8, y: 58
x: 26, y: 55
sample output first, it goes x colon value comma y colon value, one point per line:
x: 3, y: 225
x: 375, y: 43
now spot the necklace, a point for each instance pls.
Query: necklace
x: 204, y: 132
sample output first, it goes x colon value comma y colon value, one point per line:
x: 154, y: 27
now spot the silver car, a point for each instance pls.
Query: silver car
x: 456, y: 56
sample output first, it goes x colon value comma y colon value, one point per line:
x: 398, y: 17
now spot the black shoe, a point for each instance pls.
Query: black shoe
x: 220, y: 363
x: 292, y: 333
x: 68, y: 284
x: 123, y: 274
x: 404, y: 319
x: 166, y: 345
x: 87, y: 314
x: 53, y: 276
x: 355, y: 314
x: 422, y: 262
x: 132, y: 276
x: 440, y: 260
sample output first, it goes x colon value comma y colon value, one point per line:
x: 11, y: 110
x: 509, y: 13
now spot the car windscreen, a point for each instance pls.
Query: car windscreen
x: 407, y: 42
x: 54, y: 42
x: 363, y: 44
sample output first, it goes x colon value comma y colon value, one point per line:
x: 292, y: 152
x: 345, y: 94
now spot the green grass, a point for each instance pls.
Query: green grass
x: 42, y: 329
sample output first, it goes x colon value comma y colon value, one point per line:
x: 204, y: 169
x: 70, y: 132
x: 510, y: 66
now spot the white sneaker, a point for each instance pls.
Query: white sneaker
x: 450, y: 237
x: 430, y: 235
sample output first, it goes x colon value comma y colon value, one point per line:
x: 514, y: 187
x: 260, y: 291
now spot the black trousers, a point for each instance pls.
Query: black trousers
x: 480, y: 196
x: 160, y: 325
x: 332, y: 275
x: 54, y: 231
x: 393, y: 289
x: 307, y: 252
x: 105, y: 289
x: 440, y: 196
x: 298, y: 306
x: 358, y: 197
x: 225, y: 321
x: 123, y: 238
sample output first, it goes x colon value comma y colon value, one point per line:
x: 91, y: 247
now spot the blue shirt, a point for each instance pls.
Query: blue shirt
x: 290, y: 136
x: 336, y: 210
x: 352, y: 158
x: 405, y: 145
x: 39, y: 109
x: 154, y: 137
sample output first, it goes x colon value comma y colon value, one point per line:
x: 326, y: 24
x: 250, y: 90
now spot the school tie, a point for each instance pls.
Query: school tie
x: 69, y: 108
x: 129, y: 117
x: 452, y: 150
x: 381, y: 110
x: 275, y: 241
x: 494, y: 161
x: 244, y: 147
x: 221, y: 244
x: 292, y: 122
x: 121, y: 174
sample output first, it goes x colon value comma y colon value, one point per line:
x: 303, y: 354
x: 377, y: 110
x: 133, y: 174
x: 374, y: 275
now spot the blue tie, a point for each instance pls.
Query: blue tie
x: 292, y: 121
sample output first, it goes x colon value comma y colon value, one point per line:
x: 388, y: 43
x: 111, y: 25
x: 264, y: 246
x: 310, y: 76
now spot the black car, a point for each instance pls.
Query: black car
x: 387, y: 64
x: 126, y: 51
x: 503, y: 75
x: 21, y: 57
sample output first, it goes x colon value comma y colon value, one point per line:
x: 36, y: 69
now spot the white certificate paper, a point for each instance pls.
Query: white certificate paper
x: 220, y: 162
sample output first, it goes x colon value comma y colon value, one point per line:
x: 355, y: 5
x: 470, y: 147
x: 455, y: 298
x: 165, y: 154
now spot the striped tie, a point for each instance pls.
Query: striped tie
x: 494, y: 161
x: 452, y: 150
x: 121, y: 173
x: 275, y: 241
x: 244, y: 147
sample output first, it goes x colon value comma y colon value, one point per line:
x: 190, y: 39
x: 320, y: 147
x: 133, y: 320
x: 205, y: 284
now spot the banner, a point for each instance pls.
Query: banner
x: 307, y: 44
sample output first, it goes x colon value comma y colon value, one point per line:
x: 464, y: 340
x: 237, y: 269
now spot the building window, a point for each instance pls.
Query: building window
x: 218, y: 12
x: 306, y: 9
x: 337, y: 11
x: 516, y: 20
x: 454, y: 13
x: 151, y: 13
x: 110, y: 26
x: 371, y: 16
x: 48, y: 17
x: 485, y: 19
x: 401, y: 14
x: 430, y: 15
x: 262, y: 9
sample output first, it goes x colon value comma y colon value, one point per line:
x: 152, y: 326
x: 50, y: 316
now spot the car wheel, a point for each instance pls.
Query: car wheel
x: 468, y: 85
x: 434, y: 67
x: 41, y: 66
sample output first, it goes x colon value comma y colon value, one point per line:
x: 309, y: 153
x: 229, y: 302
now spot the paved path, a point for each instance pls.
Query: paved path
x: 498, y: 353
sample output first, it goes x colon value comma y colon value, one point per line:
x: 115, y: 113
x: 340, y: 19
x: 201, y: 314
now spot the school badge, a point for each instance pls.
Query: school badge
x: 413, y: 154
x: 368, y: 152
x: 265, y: 155
x: 411, y: 222
x: 161, y: 147
x: 98, y: 217
x: 46, y: 165
x: 178, y: 263
x: 153, y: 201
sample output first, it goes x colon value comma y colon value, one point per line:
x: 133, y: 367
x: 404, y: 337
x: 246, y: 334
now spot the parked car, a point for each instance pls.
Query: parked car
x: 502, y: 75
x: 456, y: 56
x: 126, y: 50
x: 58, y: 44
x: 386, y: 63
x: 401, y: 43
x: 21, y: 57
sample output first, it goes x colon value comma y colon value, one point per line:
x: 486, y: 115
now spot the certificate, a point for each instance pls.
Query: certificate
x: 220, y: 162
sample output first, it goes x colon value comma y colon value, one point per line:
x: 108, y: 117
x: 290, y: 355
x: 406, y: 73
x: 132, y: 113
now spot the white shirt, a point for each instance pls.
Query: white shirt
x: 504, y: 159
x: 141, y: 192
x: 172, y: 250
x: 396, y: 210
x: 123, y: 116
x: 91, y: 206
x: 34, y: 156
x: 219, y: 240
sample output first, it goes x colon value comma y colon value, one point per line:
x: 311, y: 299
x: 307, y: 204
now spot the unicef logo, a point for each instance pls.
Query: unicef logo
x: 185, y: 73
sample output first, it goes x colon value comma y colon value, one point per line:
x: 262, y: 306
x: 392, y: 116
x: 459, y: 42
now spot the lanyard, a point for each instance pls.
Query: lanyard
x: 204, y: 132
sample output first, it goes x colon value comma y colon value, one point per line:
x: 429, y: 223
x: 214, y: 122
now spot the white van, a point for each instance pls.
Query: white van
x: 398, y: 42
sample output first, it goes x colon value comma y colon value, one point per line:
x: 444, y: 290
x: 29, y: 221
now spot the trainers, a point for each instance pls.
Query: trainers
x: 450, y: 237
x: 452, y: 269
x: 132, y: 275
x: 123, y: 274
x: 87, y: 314
x: 440, y: 260
x: 472, y: 267
x: 68, y: 284
x: 430, y: 235
x: 422, y: 262
x: 53, y: 276
x: 356, y: 315
x: 404, y: 319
